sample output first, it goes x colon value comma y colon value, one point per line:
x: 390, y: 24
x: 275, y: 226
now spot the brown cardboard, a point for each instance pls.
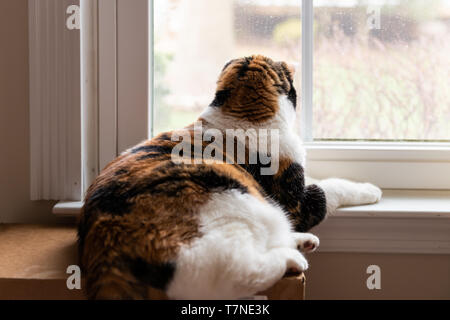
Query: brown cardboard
x: 34, y: 260
x: 288, y: 288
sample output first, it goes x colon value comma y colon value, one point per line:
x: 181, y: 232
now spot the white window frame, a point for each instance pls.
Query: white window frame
x: 119, y: 105
x: 66, y: 153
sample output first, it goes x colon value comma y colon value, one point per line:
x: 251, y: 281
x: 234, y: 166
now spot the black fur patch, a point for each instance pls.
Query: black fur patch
x: 221, y: 97
x: 155, y: 275
x: 292, y: 184
x: 163, y: 137
x: 265, y: 181
x: 112, y: 198
x: 150, y: 156
x: 117, y: 198
x: 244, y: 67
x: 178, y: 179
x: 153, y: 148
x: 292, y: 97
x: 121, y: 172
x: 227, y: 64
x: 314, y: 207
x: 305, y: 205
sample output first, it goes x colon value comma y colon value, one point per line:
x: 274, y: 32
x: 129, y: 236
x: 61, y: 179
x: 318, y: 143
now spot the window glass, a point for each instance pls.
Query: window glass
x: 382, y: 70
x: 195, y: 38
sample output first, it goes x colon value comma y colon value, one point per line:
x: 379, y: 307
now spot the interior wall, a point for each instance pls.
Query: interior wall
x: 403, y: 276
x: 15, y: 206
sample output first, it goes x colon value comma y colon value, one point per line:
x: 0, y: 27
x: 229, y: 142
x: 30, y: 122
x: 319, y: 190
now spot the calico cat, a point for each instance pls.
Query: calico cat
x: 210, y: 229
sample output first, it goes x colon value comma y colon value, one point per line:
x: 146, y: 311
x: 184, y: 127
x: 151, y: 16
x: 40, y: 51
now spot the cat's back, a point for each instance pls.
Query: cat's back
x: 146, y: 178
x: 143, y: 204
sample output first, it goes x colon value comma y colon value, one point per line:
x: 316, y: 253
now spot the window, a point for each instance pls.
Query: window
x: 373, y: 82
x: 190, y: 40
x: 373, y: 87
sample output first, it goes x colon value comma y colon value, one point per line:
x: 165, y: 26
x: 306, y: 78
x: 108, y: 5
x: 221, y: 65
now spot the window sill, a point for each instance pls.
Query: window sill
x: 67, y: 208
x: 404, y: 221
x: 403, y: 204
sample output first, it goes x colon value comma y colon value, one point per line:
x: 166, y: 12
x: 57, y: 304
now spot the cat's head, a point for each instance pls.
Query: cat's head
x: 256, y: 89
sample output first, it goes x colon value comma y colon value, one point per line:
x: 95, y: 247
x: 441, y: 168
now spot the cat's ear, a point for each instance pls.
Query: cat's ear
x: 293, y: 67
x: 228, y: 63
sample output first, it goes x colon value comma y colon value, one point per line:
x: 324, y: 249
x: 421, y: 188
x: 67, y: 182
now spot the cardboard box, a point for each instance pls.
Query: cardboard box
x: 34, y: 260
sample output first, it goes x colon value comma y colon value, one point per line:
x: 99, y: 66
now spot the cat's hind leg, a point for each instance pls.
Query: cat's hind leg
x: 270, y: 268
x: 233, y: 273
x: 246, y: 246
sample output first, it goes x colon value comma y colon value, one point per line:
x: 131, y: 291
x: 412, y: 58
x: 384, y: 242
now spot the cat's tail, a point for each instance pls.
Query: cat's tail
x: 341, y: 192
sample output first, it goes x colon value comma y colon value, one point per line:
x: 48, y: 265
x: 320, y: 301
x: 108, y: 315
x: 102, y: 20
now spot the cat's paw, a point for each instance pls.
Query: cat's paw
x: 295, y: 261
x: 369, y: 193
x: 306, y: 242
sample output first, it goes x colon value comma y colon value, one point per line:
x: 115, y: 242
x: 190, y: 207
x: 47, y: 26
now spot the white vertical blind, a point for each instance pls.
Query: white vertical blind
x: 54, y: 102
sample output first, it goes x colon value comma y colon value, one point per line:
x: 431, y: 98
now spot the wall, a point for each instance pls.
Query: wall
x: 403, y: 276
x: 15, y: 205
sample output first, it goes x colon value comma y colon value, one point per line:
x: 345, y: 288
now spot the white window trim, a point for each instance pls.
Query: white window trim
x: 403, y: 222
x: 89, y: 48
x: 124, y: 89
x: 307, y: 70
x: 107, y: 46
x: 115, y: 87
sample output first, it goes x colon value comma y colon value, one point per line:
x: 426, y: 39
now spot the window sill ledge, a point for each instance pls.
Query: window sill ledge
x: 403, y: 204
x: 404, y: 221
x: 67, y: 208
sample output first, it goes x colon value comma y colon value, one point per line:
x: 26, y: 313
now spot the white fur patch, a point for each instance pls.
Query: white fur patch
x: 290, y: 144
x: 246, y: 246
